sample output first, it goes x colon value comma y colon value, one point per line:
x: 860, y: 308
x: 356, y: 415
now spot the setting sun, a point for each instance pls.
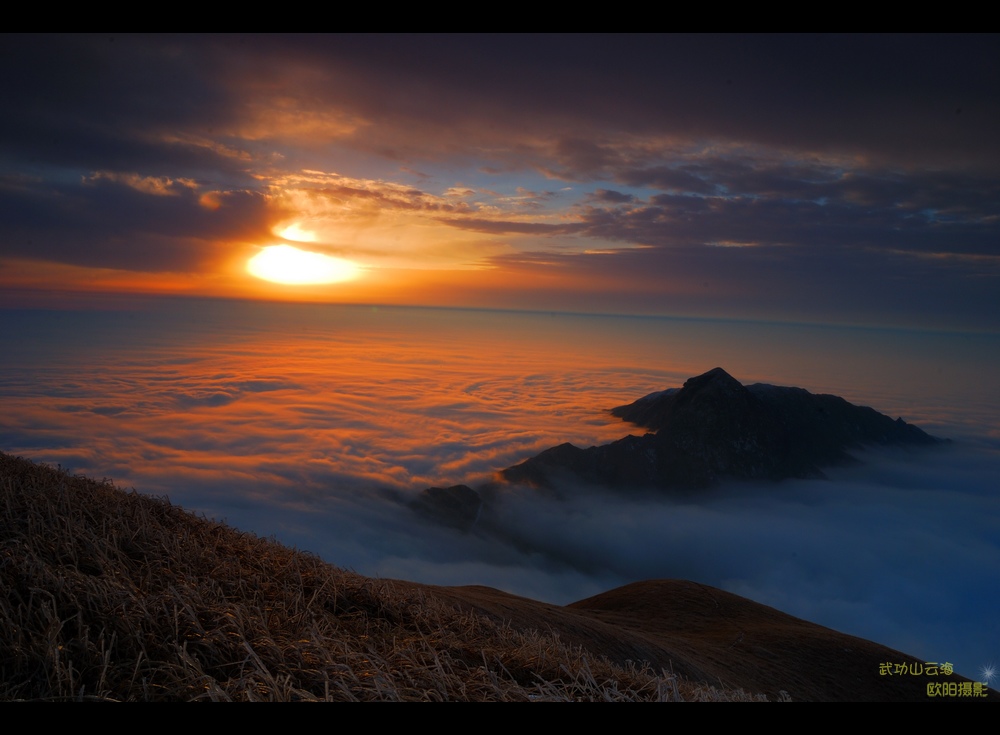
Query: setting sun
x: 289, y: 265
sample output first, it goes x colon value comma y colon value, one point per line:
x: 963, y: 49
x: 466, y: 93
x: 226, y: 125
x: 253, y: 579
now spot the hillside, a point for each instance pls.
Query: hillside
x: 116, y: 596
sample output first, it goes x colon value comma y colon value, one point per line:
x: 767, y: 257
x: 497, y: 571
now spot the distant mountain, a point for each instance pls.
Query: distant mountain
x: 713, y: 428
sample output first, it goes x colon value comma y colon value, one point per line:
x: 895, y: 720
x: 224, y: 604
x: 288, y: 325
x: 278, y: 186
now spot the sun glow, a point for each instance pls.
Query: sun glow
x: 291, y: 266
x: 296, y: 232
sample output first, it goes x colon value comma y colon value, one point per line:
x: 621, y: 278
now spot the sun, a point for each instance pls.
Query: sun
x: 294, y: 267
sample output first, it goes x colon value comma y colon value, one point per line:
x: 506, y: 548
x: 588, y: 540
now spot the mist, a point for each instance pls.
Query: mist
x: 320, y: 425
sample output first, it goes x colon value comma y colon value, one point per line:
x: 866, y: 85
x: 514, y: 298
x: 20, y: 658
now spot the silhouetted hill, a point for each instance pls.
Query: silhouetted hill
x: 713, y: 428
x: 705, y: 634
x: 115, y: 596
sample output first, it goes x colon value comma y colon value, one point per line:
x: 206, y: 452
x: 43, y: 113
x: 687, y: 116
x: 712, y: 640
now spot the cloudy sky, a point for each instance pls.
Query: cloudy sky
x: 847, y: 179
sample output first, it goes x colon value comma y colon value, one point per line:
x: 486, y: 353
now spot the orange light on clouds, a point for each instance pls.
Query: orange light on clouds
x: 296, y: 232
x: 291, y: 266
x: 210, y: 200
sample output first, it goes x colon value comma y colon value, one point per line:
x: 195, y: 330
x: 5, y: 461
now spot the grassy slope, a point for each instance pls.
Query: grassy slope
x: 117, y: 596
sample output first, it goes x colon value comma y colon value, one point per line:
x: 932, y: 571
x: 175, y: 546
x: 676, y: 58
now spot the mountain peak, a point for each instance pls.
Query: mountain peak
x: 715, y: 427
x: 716, y: 374
x: 716, y: 382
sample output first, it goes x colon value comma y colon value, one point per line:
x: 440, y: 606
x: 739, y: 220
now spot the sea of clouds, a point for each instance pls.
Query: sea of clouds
x: 318, y: 424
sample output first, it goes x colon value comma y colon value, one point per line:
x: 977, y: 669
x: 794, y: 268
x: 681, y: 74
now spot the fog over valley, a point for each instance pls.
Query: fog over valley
x: 319, y: 425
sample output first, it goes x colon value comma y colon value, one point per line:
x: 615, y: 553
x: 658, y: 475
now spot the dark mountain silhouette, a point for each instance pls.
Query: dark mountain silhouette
x: 708, y: 635
x: 714, y: 428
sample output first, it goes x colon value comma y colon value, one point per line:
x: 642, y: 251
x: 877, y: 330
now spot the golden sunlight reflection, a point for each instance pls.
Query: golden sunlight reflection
x: 296, y: 232
x: 294, y: 267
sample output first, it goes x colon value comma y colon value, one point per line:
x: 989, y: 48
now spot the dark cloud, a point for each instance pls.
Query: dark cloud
x: 912, y: 98
x: 121, y: 103
x: 793, y: 238
x: 506, y: 226
x: 112, y: 224
x: 610, y: 196
x: 676, y: 179
x: 815, y: 151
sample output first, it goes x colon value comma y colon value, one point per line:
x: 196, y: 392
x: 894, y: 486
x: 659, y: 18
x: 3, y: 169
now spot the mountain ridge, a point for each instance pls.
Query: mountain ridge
x: 711, y: 429
x: 714, y: 428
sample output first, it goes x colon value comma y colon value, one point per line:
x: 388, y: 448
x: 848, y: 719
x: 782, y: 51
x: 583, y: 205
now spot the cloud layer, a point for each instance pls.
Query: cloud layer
x: 314, y: 422
x: 822, y: 178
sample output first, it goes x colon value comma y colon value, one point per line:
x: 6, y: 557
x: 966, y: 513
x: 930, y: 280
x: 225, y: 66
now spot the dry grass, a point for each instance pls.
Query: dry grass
x: 111, y: 595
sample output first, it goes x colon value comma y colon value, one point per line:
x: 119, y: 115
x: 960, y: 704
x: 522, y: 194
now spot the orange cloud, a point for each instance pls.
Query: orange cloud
x: 154, y: 185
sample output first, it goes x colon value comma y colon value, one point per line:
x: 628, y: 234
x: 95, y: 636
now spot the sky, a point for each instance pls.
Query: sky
x: 291, y: 281
x: 831, y: 179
